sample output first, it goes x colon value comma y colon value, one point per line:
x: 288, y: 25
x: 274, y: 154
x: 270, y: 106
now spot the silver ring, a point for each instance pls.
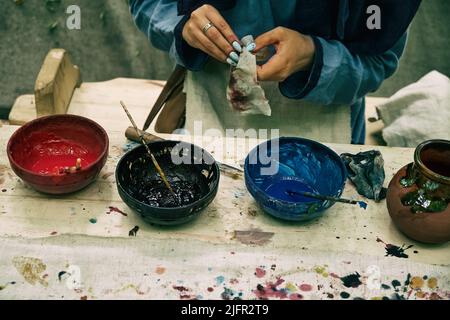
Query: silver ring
x: 208, y: 26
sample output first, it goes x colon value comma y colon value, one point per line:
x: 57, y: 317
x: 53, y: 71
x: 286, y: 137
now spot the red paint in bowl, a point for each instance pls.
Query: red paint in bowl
x: 38, y: 150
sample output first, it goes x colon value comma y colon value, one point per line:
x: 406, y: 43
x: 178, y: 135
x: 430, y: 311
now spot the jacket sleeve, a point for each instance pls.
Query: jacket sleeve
x: 341, y: 77
x: 160, y: 22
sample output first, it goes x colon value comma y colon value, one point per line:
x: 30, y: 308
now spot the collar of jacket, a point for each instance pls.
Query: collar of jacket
x: 186, y: 7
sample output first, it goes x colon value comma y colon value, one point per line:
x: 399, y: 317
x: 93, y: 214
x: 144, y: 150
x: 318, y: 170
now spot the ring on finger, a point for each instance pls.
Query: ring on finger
x: 207, y: 26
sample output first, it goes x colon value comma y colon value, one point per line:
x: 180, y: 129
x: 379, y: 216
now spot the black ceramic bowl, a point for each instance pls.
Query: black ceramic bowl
x: 181, y: 162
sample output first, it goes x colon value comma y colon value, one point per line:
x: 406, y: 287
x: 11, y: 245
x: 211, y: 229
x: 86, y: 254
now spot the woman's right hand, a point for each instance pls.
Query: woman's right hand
x: 208, y: 31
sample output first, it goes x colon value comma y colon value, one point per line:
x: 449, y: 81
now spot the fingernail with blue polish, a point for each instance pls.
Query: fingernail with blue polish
x: 234, y: 56
x: 251, y: 47
x: 237, y: 46
x: 231, y: 62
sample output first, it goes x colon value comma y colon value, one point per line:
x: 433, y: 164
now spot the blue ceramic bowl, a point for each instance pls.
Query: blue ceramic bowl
x: 276, y: 170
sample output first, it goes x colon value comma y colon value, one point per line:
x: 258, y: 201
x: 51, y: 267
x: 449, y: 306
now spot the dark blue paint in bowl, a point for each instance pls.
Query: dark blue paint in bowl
x: 303, y: 165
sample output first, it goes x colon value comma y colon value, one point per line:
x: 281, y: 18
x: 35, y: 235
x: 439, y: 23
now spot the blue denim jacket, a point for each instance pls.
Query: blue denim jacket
x: 337, y: 76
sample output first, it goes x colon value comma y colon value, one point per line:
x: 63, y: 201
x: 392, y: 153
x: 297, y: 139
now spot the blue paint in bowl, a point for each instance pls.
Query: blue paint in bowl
x: 300, y: 165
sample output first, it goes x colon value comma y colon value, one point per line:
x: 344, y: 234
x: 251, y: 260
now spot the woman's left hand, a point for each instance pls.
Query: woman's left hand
x: 294, y: 52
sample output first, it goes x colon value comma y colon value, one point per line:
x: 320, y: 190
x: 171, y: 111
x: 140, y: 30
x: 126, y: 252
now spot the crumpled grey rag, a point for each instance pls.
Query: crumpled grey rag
x: 366, y: 171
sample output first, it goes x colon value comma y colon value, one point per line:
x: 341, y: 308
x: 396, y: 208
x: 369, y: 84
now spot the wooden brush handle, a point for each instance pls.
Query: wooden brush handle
x: 132, y: 135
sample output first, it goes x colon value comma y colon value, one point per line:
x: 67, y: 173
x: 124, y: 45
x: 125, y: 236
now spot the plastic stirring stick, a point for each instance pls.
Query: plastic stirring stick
x: 155, y: 162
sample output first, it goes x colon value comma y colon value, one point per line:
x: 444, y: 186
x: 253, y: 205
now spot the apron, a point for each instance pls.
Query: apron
x: 206, y: 101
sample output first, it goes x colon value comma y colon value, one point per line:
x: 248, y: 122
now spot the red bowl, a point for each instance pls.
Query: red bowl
x: 40, y: 150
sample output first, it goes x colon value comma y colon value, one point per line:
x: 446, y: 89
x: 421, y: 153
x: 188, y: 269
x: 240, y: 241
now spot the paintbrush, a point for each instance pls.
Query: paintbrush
x: 132, y: 135
x: 141, y: 138
x: 362, y: 204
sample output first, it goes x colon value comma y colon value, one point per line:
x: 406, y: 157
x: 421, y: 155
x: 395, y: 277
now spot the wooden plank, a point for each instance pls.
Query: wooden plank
x: 139, y: 96
x: 55, y: 83
x: 23, y: 110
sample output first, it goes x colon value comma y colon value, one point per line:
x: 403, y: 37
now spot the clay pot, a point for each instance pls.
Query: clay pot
x: 430, y: 176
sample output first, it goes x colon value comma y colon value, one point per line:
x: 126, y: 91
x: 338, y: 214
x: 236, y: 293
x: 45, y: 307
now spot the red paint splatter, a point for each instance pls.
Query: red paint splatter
x: 409, y: 293
x: 334, y: 275
x: 435, y: 296
x: 306, y: 287
x: 295, y: 296
x: 232, y: 252
x: 259, y: 273
x: 271, y: 290
x: 210, y: 289
x: 83, y: 298
x: 54, y: 233
x: 160, y: 270
x: 180, y: 288
x: 114, y: 209
x: 184, y: 293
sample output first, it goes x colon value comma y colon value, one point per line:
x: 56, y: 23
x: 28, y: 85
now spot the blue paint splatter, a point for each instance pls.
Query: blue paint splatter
x: 229, y: 294
x: 130, y: 146
x: 220, y: 280
x: 362, y: 204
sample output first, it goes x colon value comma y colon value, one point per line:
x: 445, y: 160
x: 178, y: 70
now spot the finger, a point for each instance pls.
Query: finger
x: 187, y: 35
x: 273, y: 70
x: 208, y: 46
x: 272, y: 37
x: 218, y: 39
x: 222, y: 26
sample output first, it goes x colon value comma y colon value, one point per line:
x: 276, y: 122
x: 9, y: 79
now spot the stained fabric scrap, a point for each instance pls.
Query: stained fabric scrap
x: 244, y: 92
x: 366, y: 171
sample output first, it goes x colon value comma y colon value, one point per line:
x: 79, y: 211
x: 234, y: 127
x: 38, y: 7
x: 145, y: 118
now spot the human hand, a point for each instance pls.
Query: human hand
x: 294, y: 52
x: 208, y: 31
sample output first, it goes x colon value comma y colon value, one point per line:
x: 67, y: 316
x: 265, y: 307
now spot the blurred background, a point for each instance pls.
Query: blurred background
x: 109, y: 45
